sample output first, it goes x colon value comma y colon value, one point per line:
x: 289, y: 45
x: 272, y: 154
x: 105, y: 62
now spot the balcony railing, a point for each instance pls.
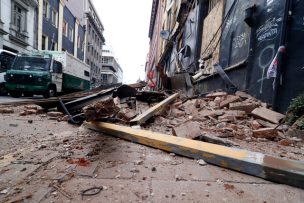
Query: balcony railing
x: 20, y: 37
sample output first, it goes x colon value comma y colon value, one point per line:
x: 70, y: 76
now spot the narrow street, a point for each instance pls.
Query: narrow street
x: 7, y: 99
x: 44, y: 160
x: 158, y: 101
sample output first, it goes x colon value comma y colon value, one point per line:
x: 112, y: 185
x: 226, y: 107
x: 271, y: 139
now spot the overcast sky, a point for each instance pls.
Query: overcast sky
x: 126, y: 24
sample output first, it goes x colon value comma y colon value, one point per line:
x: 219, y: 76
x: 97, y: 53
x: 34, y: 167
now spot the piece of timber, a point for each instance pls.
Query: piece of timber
x: 257, y: 164
x: 151, y: 111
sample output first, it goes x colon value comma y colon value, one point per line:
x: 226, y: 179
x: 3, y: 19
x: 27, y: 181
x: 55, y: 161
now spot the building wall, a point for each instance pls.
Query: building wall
x: 51, y: 30
x: 77, y: 7
x: 48, y: 28
x: 6, y: 16
x: 110, y: 67
x: 155, y: 43
x: 80, y: 47
x: 67, y: 44
x: 88, y: 17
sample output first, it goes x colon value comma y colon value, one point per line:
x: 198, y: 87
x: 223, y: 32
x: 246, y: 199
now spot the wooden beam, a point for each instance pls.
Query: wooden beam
x: 151, y: 111
x: 257, y: 164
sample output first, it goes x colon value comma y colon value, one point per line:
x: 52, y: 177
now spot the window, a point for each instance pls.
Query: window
x: 70, y: 34
x: 54, y: 18
x: 90, y: 29
x: 65, y: 28
x: 106, y: 60
x: 104, y: 78
x: 19, y: 16
x: 45, y: 9
x: 78, y: 42
x: 6, y: 60
x: 53, y: 46
x: 88, y: 61
x: 86, y: 73
x: 44, y: 42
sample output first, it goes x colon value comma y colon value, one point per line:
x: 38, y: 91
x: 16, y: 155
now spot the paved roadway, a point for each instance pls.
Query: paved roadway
x: 5, y: 99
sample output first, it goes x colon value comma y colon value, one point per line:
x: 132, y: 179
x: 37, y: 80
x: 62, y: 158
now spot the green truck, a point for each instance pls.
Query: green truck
x: 46, y: 73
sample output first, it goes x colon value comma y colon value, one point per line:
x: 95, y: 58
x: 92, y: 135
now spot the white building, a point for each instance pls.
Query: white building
x: 18, y: 25
x: 111, y: 72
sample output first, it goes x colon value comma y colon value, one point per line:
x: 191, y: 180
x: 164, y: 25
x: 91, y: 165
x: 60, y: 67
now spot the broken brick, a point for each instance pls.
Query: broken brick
x: 243, y: 106
x: 286, y: 142
x: 243, y: 95
x: 228, y: 100
x: 6, y: 110
x: 236, y: 113
x: 255, y: 125
x: 53, y: 114
x: 268, y: 133
x: 216, y: 94
x: 101, y: 109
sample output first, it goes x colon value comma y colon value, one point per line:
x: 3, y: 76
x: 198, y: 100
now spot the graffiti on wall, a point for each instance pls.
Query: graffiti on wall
x: 240, y: 41
x: 269, y: 30
x: 264, y: 60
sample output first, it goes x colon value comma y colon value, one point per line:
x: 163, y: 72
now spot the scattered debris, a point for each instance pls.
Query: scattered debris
x: 6, y: 110
x: 229, y: 186
x: 268, y: 133
x: 91, y: 191
x: 267, y: 115
x: 101, y: 109
x: 208, y: 137
x: 13, y: 125
x: 201, y: 162
x: 80, y: 161
x: 189, y: 129
x: 4, y: 192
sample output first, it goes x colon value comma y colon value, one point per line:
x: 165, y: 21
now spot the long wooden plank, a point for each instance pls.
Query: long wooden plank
x: 257, y: 164
x: 151, y: 111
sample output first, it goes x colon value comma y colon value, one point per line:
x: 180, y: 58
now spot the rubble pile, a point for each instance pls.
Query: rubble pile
x: 217, y: 118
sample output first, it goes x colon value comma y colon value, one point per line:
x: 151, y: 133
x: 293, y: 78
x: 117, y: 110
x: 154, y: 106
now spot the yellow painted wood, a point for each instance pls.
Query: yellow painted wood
x: 271, y: 168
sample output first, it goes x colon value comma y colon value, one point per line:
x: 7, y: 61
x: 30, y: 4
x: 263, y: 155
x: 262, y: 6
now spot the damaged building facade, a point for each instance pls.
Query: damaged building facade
x: 232, y: 45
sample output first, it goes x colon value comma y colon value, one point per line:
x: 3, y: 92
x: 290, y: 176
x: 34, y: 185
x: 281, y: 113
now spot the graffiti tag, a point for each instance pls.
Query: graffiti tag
x: 240, y: 40
x: 269, y: 30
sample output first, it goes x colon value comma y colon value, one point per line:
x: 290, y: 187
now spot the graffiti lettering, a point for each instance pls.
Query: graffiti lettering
x: 268, y: 34
x: 269, y: 30
x: 240, y: 40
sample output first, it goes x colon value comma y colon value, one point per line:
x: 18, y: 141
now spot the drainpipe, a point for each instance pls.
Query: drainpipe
x: 281, y: 55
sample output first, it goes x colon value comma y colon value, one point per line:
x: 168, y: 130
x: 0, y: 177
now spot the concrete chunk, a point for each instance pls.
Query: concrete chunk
x: 230, y: 99
x: 190, y: 129
x: 243, y: 106
x: 216, y: 94
x: 268, y: 115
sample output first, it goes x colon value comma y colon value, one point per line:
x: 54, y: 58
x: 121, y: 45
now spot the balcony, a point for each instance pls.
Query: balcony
x: 20, y: 37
